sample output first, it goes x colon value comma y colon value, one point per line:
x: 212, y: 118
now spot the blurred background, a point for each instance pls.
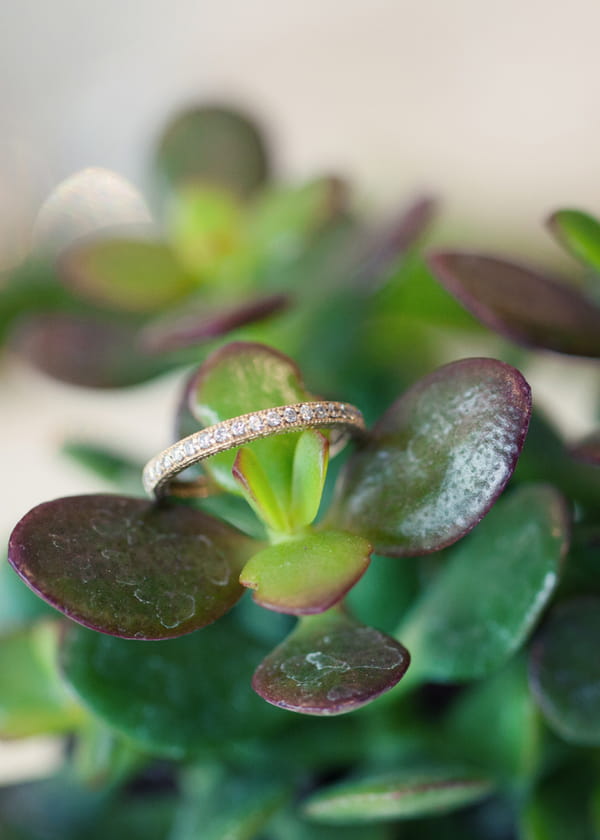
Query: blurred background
x: 493, y: 107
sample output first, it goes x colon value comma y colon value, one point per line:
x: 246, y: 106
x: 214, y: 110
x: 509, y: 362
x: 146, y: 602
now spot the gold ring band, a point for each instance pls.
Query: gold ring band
x: 236, y: 432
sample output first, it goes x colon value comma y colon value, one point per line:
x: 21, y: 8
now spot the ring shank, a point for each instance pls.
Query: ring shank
x: 160, y: 471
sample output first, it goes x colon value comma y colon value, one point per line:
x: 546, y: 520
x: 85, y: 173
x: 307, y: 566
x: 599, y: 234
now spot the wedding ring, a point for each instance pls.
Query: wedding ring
x: 160, y: 471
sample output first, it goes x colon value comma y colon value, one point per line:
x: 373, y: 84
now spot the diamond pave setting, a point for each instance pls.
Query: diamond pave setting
x: 229, y: 434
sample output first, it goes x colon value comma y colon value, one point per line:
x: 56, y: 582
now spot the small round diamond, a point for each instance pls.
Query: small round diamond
x: 205, y: 440
x: 273, y: 418
x: 238, y: 428
x: 306, y: 413
x: 178, y: 453
x: 168, y: 461
x: 222, y: 434
x: 190, y: 446
x: 320, y: 411
x: 289, y: 415
x: 256, y: 424
x: 332, y: 409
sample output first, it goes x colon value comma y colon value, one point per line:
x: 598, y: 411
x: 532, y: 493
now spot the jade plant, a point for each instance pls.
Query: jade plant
x: 398, y: 641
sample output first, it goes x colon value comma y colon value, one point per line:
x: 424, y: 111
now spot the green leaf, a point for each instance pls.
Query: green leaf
x: 495, y: 726
x: 437, y: 459
x: 308, y: 478
x: 562, y: 805
x: 565, y: 671
x: 520, y: 303
x: 34, y: 699
x: 129, y: 567
x: 259, y: 494
x: 212, y: 144
x: 178, y: 697
x: 308, y: 574
x: 330, y: 664
x: 579, y: 233
x: 410, y: 792
x: 107, y: 464
x: 492, y: 589
x: 126, y: 274
x: 237, y: 379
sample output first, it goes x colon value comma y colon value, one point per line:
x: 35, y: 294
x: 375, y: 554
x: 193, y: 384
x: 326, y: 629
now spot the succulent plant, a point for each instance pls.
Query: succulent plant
x: 424, y: 609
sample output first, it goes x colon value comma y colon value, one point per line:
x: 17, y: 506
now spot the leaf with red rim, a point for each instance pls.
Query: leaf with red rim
x: 330, y: 664
x: 130, y: 568
x: 438, y: 458
x: 521, y: 303
x: 306, y: 574
x: 86, y: 351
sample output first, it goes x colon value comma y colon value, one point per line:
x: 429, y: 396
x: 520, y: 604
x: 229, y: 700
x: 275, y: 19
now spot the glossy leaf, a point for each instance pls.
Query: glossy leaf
x: 411, y: 792
x: 330, y: 664
x: 243, y: 377
x: 437, y: 459
x: 579, y: 233
x: 588, y: 449
x: 492, y: 589
x: 565, y: 671
x: 34, y: 699
x: 211, y: 144
x: 307, y: 574
x: 177, y: 697
x: 85, y: 351
x: 309, y: 472
x: 521, y: 303
x: 128, y: 567
x: 259, y: 494
x: 189, y: 328
x: 133, y: 275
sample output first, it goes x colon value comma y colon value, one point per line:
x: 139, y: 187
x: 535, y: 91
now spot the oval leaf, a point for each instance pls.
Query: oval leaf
x: 330, y: 664
x: 133, y: 275
x: 174, y: 697
x: 308, y: 574
x: 511, y: 562
x: 520, y: 303
x: 127, y: 567
x: 243, y: 377
x: 215, y: 145
x: 408, y: 793
x: 579, y: 233
x: 565, y: 671
x: 84, y: 351
x: 437, y: 459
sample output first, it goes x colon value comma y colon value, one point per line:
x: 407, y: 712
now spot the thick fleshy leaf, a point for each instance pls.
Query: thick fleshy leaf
x: 34, y: 700
x: 565, y: 671
x: 521, y: 303
x: 492, y: 590
x: 133, y: 275
x: 257, y: 490
x: 307, y: 574
x: 330, y: 664
x: 579, y: 233
x: 562, y: 805
x: 176, y: 697
x: 85, y: 351
x: 411, y: 792
x: 128, y: 567
x: 243, y: 377
x: 588, y: 449
x: 495, y: 725
x: 437, y: 459
x: 212, y: 144
x: 86, y: 202
x: 189, y: 328
x: 309, y: 472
